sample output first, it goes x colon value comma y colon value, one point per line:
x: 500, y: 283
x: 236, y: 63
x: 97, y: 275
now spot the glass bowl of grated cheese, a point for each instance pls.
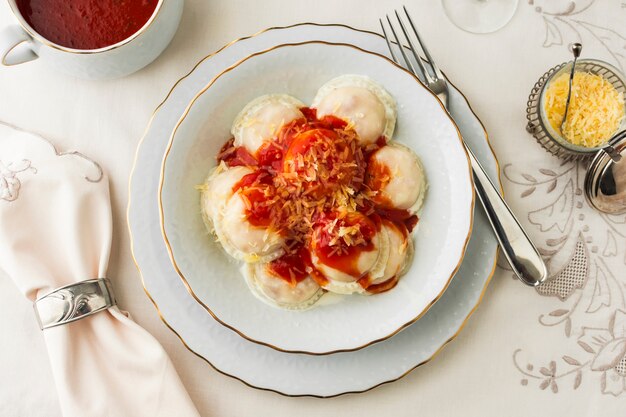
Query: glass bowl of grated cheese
x: 596, y: 111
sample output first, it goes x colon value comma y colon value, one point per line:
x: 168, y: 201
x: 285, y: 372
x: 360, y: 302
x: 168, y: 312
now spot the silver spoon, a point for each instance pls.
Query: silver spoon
x: 576, y: 49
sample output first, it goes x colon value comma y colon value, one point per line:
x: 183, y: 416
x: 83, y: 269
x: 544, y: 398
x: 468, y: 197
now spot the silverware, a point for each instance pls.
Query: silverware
x: 605, y: 180
x: 576, y: 50
x: 517, y: 247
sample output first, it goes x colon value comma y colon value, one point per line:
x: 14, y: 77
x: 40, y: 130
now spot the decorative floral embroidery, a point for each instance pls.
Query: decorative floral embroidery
x: 564, y: 25
x: 585, y: 250
x: 9, y: 182
x: 15, y: 184
x: 585, y: 278
x: 605, y: 351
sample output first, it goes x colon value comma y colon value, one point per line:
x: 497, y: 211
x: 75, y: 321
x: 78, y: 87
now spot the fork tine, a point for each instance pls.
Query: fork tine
x: 393, y: 55
x: 406, y: 59
x: 431, y: 61
x: 418, y: 59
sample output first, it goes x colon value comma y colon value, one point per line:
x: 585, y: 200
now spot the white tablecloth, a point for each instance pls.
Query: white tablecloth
x: 524, y: 352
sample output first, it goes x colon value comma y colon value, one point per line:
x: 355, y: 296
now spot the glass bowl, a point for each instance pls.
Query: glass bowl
x: 538, y: 124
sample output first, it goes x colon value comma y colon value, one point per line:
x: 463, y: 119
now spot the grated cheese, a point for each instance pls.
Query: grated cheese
x: 595, y: 113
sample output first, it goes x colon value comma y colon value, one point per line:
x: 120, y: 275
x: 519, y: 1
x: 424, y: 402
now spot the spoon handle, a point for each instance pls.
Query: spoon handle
x: 576, y: 50
x: 515, y: 244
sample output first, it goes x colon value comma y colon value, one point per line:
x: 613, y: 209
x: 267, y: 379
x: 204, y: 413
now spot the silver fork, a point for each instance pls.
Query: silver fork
x: 517, y: 247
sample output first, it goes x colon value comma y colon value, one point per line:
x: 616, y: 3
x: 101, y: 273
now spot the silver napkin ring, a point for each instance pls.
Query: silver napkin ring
x: 73, y: 302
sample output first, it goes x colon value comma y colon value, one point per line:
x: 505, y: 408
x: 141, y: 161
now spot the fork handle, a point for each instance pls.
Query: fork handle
x: 517, y: 247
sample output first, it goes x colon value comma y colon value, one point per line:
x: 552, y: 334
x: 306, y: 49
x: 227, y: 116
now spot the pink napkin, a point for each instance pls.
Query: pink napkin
x: 55, y: 228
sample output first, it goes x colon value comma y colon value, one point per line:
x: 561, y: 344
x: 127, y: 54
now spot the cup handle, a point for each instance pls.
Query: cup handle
x: 13, y: 46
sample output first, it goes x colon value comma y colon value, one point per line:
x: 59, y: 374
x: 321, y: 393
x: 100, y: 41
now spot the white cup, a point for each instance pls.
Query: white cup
x: 20, y: 43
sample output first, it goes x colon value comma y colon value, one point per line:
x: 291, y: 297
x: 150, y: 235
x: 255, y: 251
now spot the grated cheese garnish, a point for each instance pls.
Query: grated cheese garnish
x: 595, y: 112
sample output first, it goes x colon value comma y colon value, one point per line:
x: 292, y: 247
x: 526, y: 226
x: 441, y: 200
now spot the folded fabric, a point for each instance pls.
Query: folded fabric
x: 55, y: 223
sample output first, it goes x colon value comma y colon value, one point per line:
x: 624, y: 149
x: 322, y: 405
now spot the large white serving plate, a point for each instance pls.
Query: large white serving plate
x: 258, y: 366
x: 340, y: 322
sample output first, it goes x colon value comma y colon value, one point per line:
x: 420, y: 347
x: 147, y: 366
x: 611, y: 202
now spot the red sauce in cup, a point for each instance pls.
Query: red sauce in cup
x: 86, y: 24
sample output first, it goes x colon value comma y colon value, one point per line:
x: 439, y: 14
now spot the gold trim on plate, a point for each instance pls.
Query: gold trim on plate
x: 156, y: 306
x: 162, y: 179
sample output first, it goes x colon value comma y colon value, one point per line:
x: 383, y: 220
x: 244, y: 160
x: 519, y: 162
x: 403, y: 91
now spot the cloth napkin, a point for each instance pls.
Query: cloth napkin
x: 55, y: 223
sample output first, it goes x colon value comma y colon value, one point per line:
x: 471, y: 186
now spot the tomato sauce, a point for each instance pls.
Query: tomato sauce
x: 271, y: 155
x: 296, y: 266
x: 292, y: 267
x: 86, y: 24
x: 235, y: 156
x: 378, y: 176
x: 378, y: 288
x: 398, y: 216
x: 342, y: 256
x: 321, y: 151
x: 254, y: 188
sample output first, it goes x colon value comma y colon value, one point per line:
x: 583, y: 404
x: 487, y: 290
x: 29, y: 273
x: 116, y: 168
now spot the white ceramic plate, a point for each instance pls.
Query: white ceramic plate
x: 258, y: 366
x: 341, y: 322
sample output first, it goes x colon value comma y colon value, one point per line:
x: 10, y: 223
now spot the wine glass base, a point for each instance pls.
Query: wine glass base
x: 480, y: 16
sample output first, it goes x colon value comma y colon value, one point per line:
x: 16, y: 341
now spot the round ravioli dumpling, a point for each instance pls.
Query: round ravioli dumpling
x: 219, y: 188
x: 243, y: 240
x: 346, y: 249
x: 262, y: 118
x: 400, y: 253
x: 272, y: 289
x: 361, y: 102
x: 396, y: 174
